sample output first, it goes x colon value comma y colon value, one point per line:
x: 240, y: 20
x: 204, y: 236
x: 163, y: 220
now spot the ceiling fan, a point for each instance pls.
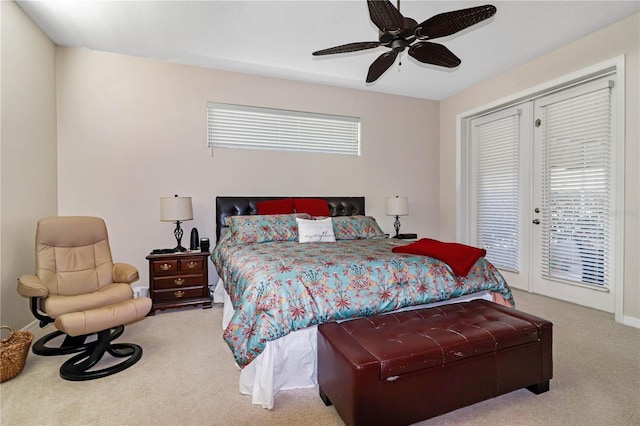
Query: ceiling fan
x: 398, y: 33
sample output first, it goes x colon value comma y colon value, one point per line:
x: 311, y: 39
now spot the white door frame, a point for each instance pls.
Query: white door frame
x: 463, y: 161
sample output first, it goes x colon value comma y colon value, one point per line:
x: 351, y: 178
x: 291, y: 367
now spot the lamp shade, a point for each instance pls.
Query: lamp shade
x: 397, y: 206
x: 176, y: 208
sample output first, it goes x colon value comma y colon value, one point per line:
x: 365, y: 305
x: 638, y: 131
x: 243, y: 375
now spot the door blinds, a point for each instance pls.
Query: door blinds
x: 576, y: 137
x: 497, y: 188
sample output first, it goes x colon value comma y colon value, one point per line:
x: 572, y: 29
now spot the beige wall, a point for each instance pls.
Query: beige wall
x: 132, y: 130
x: 622, y: 38
x: 28, y: 172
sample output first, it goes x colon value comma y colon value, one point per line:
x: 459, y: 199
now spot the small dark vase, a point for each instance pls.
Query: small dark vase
x: 195, y: 239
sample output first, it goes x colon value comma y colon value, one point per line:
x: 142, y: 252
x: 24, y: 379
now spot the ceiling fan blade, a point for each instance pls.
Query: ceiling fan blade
x: 435, y: 54
x: 350, y: 47
x: 380, y: 65
x: 385, y: 16
x: 448, y: 23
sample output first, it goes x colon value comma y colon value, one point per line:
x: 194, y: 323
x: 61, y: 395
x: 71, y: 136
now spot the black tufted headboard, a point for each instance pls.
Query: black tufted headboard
x: 232, y: 206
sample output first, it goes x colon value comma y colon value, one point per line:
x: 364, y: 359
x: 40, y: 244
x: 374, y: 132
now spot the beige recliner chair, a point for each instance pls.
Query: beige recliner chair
x: 79, y: 288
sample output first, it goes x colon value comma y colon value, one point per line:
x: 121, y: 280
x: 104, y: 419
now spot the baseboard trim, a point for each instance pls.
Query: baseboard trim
x: 631, y: 322
x: 33, y: 326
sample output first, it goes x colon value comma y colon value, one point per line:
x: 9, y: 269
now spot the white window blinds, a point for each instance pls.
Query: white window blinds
x: 236, y: 126
x: 576, y: 134
x: 497, y: 188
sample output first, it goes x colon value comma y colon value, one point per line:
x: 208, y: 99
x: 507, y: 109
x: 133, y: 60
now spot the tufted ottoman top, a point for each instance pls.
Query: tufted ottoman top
x: 415, y: 340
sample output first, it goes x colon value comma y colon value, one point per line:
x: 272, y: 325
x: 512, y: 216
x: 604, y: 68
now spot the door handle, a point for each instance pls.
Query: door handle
x: 536, y: 221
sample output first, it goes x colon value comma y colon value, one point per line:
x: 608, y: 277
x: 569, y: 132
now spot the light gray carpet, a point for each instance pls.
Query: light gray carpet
x: 187, y: 376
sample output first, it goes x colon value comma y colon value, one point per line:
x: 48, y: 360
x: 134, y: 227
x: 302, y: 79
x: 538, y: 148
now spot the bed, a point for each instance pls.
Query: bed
x: 276, y: 289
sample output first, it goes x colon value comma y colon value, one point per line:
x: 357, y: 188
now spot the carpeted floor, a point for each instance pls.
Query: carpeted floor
x: 187, y: 376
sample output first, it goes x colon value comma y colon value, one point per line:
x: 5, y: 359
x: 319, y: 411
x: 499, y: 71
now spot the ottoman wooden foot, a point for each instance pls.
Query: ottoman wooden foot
x: 325, y: 398
x: 539, y: 387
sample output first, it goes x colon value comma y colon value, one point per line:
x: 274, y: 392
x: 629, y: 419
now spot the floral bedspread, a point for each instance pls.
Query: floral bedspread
x: 283, y: 286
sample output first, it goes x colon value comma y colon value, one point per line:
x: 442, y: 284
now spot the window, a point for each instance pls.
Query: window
x: 237, y: 126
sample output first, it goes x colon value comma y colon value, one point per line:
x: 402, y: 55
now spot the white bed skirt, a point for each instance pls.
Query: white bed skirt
x: 290, y: 362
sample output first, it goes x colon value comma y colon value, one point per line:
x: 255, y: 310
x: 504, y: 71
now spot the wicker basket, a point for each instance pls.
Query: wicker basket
x: 13, y: 352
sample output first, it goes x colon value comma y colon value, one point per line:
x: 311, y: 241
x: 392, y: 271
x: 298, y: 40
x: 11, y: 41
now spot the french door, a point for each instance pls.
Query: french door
x: 541, y: 193
x: 501, y: 188
x: 574, y: 195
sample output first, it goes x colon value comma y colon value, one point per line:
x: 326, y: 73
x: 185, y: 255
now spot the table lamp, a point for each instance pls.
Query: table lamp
x: 176, y: 209
x: 397, y: 206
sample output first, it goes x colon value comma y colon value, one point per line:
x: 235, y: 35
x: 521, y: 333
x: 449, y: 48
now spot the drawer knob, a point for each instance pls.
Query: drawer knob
x: 165, y: 266
x: 178, y: 281
x: 178, y: 294
x: 192, y: 264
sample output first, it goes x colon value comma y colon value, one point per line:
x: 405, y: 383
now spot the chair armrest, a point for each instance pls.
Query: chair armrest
x: 125, y: 273
x: 31, y: 286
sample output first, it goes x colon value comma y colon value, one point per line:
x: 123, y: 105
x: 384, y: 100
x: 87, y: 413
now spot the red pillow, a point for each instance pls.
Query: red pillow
x: 312, y: 206
x: 283, y: 206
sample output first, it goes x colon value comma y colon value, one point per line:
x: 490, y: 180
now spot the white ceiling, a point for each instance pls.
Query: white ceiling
x: 276, y: 38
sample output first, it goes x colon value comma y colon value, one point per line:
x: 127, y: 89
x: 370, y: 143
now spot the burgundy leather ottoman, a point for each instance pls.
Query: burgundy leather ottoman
x: 405, y: 367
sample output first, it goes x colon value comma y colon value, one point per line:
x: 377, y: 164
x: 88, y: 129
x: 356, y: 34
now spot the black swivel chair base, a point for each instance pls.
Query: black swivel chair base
x: 70, y: 344
x: 77, y: 367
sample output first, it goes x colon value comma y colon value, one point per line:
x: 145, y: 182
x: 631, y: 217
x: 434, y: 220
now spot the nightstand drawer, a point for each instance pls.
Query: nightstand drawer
x: 167, y: 266
x: 192, y: 264
x: 178, y: 294
x: 177, y: 281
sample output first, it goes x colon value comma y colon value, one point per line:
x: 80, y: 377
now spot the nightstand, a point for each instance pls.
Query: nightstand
x: 178, y: 279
